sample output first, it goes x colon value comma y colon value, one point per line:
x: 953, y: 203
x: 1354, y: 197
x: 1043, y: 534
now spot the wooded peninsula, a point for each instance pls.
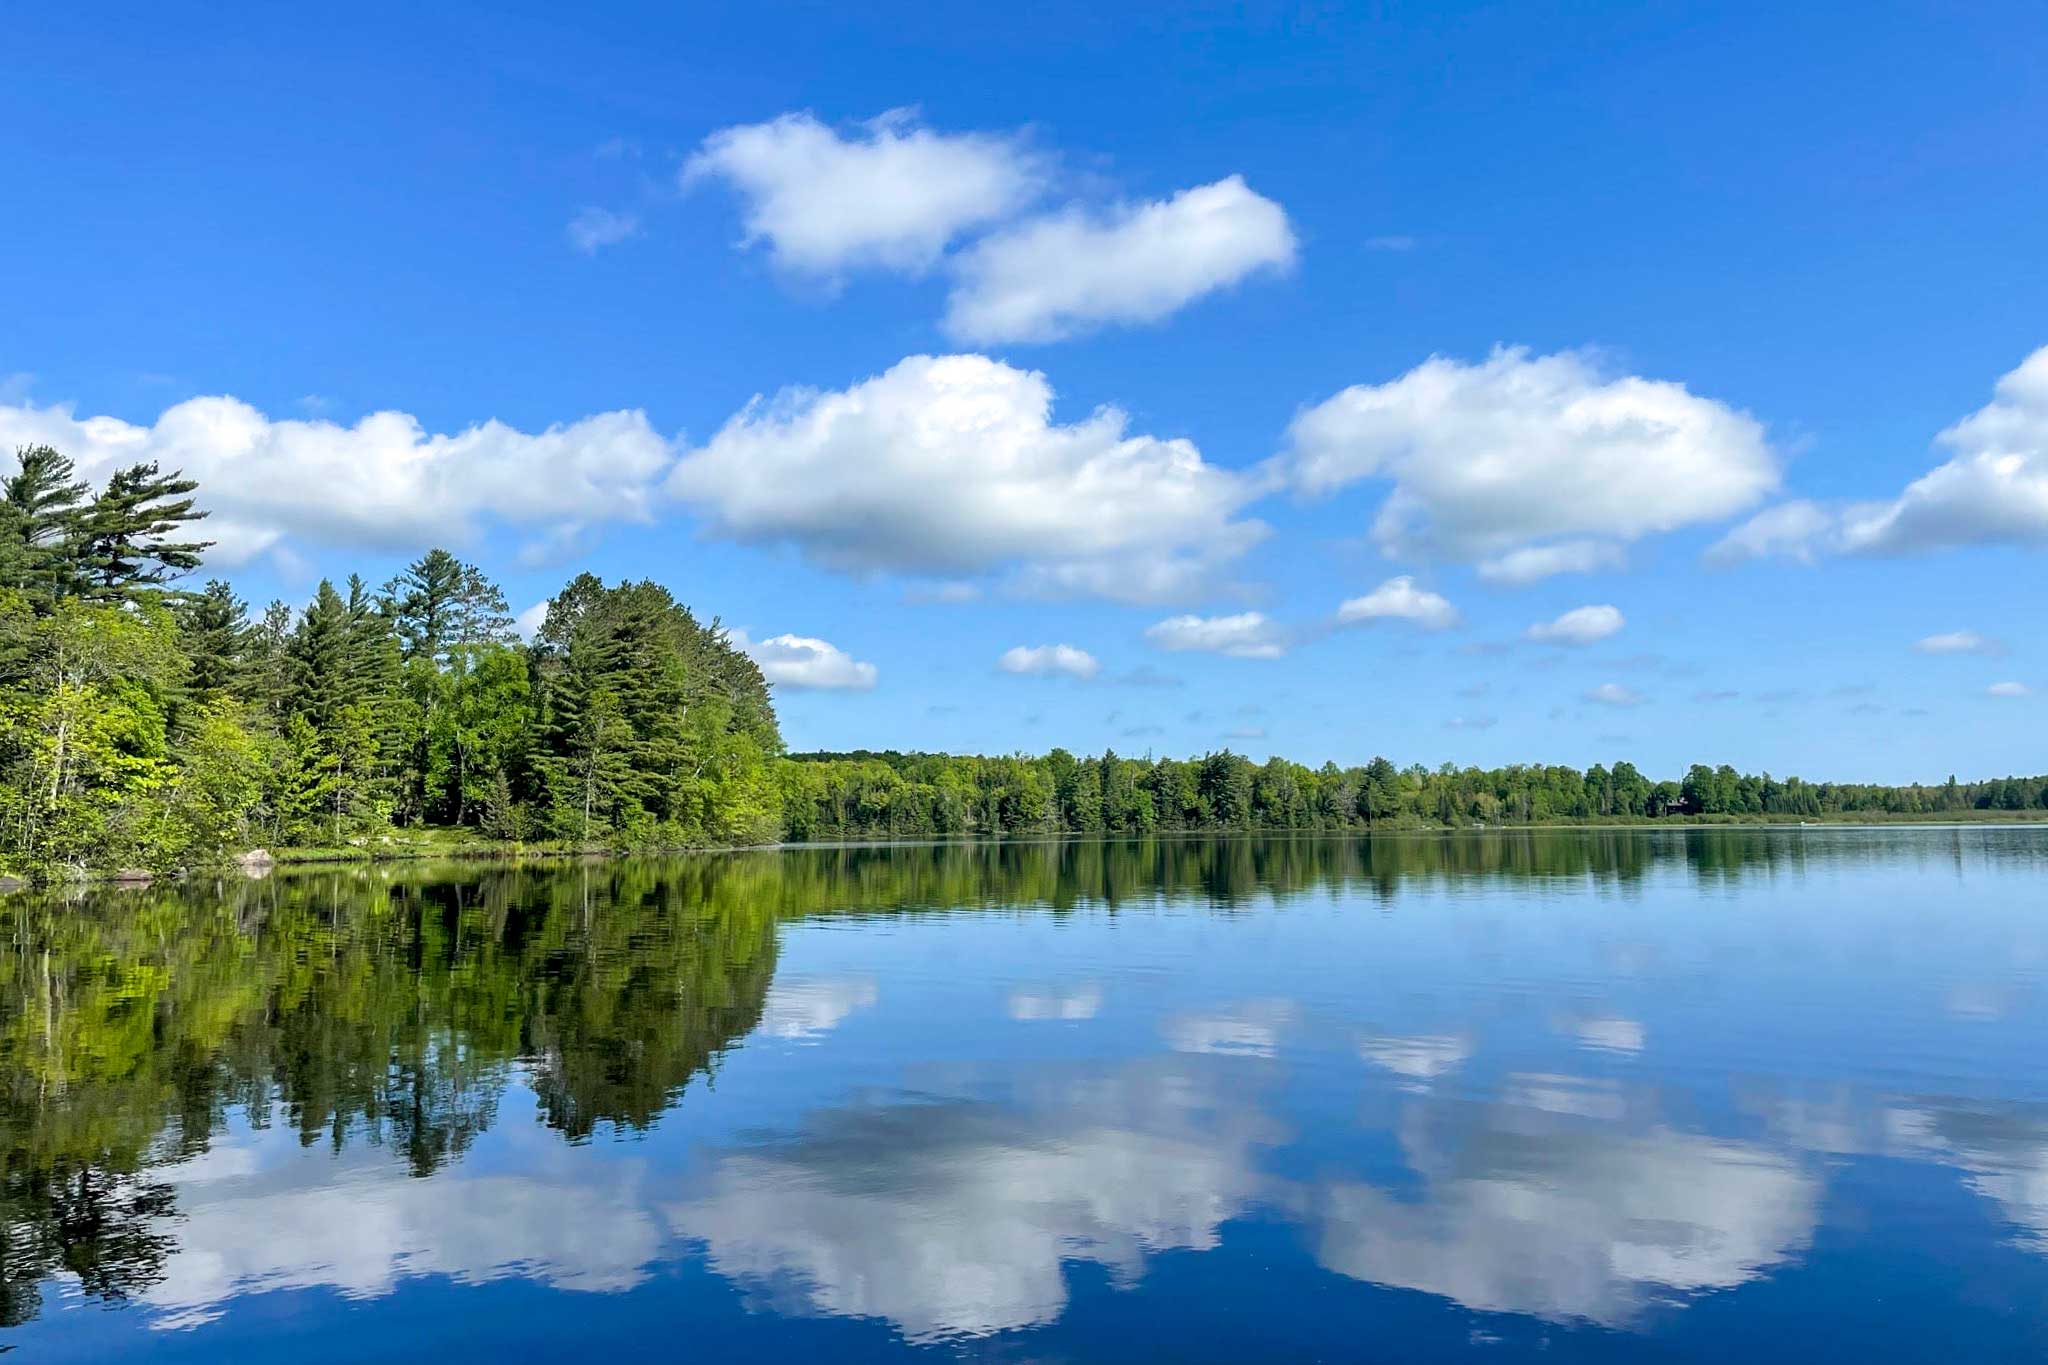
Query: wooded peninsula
x: 150, y: 726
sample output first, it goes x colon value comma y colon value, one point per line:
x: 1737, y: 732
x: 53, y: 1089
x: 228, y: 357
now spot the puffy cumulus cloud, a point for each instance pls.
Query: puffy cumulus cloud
x: 807, y: 664
x: 1958, y: 642
x: 1072, y: 271
x: 887, y: 193
x: 2009, y: 690
x: 384, y: 483
x: 1398, y: 599
x: 594, y: 229
x: 1579, y: 626
x: 953, y: 1219
x: 1246, y: 635
x: 1992, y: 490
x: 1048, y: 659
x: 1616, y: 694
x: 952, y: 464
x: 1519, y: 568
x: 1522, y: 451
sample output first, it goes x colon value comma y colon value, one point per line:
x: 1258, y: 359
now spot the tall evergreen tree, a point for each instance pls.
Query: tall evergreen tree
x: 267, y: 680
x: 439, y: 603
x: 44, y: 503
x: 214, y: 628
x: 126, y: 546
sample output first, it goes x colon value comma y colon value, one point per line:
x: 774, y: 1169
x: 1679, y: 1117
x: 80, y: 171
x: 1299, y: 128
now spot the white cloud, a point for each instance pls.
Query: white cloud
x: 1579, y: 626
x: 1958, y: 642
x: 1071, y: 271
x: 1615, y: 694
x: 888, y: 193
x: 1992, y: 490
x: 1796, y: 530
x: 2008, y: 689
x: 1519, y: 568
x: 529, y: 622
x: 952, y: 464
x: 1500, y: 456
x: 383, y: 483
x: 1044, y: 659
x: 806, y: 664
x: 594, y: 229
x: 1247, y: 635
x: 1398, y: 599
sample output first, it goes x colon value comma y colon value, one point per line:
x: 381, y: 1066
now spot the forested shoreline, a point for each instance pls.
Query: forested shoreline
x: 148, y: 725
x: 908, y: 795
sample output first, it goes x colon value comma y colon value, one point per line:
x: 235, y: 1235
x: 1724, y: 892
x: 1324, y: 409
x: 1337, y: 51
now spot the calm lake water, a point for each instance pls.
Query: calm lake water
x: 1761, y: 1095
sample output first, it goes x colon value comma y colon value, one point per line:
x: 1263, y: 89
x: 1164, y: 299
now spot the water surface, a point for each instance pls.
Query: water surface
x: 1587, y: 1096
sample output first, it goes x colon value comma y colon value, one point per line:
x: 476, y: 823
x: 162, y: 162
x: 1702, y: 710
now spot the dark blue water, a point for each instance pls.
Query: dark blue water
x: 1741, y: 1094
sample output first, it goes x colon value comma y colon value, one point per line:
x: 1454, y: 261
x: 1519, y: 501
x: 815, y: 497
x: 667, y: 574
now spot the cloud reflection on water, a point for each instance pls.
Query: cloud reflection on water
x: 954, y: 1218
x: 258, y: 1212
x: 1522, y: 1210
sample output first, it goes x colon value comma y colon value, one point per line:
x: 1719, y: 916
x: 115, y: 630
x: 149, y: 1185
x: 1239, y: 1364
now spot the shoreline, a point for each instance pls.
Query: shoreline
x: 261, y: 862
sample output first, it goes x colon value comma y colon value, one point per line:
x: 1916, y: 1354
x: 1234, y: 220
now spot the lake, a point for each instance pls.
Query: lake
x: 1601, y: 1095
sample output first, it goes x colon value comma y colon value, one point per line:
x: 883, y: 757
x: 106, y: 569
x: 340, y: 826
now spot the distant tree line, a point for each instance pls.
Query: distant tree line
x: 906, y: 795
x: 146, y: 725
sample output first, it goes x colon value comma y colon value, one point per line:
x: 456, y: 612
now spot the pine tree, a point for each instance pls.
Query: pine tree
x: 422, y: 604
x: 44, y: 504
x: 440, y: 603
x: 123, y: 549
x: 321, y: 681
x: 214, y: 628
x: 267, y: 677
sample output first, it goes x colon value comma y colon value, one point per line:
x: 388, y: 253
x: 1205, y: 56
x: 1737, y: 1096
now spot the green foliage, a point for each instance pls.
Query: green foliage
x: 85, y: 693
x: 125, y: 545
x: 650, y: 728
x: 146, y: 727
x: 43, y: 504
x: 897, y: 795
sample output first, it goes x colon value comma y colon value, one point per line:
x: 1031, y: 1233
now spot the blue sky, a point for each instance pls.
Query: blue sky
x: 1264, y: 363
